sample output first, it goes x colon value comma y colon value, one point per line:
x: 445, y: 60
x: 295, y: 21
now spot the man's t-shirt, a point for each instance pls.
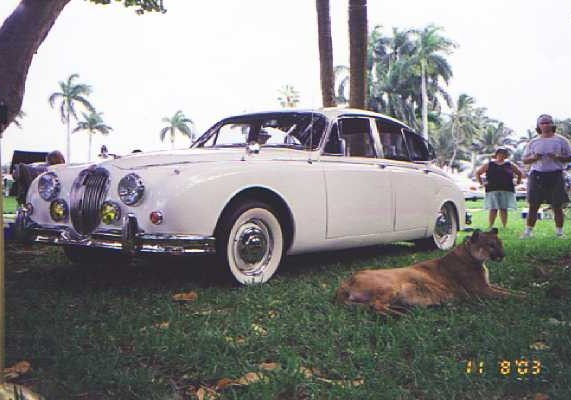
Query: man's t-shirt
x: 557, y: 144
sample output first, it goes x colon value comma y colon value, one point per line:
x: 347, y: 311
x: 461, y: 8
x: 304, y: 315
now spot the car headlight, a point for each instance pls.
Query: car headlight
x: 49, y: 186
x: 131, y: 189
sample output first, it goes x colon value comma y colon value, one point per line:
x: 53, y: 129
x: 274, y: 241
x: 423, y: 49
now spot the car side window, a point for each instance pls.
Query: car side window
x: 356, y: 132
x: 392, y: 140
x: 417, y: 147
x: 335, y: 145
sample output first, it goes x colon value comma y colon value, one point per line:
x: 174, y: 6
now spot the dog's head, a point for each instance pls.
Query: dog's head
x: 485, y: 246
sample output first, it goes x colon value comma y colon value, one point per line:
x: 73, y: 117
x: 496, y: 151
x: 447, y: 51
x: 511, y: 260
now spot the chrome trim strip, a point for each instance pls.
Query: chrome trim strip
x: 62, y: 235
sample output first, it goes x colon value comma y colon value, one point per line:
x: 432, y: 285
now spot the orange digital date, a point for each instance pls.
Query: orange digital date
x: 519, y: 367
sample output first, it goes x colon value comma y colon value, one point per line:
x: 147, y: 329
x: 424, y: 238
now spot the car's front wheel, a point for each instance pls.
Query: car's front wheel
x: 445, y: 230
x: 250, y: 242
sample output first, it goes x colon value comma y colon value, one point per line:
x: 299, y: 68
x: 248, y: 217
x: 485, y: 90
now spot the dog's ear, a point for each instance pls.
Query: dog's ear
x: 494, y: 231
x: 475, y: 235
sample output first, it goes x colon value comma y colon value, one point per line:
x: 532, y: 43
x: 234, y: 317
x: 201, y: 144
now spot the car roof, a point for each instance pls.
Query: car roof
x: 330, y: 113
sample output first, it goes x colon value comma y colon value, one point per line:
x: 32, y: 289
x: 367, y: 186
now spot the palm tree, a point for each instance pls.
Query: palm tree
x: 70, y: 94
x: 92, y: 123
x: 288, y: 96
x: 463, y: 123
x: 358, y: 53
x: 178, y: 122
x: 325, y: 53
x: 429, y: 46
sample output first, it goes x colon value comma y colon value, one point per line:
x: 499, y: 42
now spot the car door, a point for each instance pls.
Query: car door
x: 411, y: 183
x: 359, y: 200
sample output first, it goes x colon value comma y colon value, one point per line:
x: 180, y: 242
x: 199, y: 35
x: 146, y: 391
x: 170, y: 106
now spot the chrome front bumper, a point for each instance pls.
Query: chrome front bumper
x: 130, y: 239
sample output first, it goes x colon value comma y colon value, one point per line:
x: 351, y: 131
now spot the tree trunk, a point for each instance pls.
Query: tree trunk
x: 424, y: 95
x: 90, y: 144
x: 325, y: 53
x: 20, y: 37
x: 68, y: 137
x: 357, y: 53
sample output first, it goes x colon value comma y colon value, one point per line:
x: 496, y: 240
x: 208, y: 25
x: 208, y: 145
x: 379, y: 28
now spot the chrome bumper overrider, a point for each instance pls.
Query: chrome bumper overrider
x: 129, y: 239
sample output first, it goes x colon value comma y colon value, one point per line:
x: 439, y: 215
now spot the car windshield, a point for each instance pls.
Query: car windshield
x: 296, y: 130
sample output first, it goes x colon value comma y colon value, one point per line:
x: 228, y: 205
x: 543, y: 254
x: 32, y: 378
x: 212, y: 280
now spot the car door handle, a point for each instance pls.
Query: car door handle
x: 426, y: 171
x: 382, y: 166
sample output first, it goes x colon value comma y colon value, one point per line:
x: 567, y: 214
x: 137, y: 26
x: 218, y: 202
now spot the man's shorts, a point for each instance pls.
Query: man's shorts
x: 546, y: 187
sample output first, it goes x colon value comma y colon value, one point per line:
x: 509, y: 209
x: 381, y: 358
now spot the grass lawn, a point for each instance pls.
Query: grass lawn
x: 10, y: 205
x: 105, y: 332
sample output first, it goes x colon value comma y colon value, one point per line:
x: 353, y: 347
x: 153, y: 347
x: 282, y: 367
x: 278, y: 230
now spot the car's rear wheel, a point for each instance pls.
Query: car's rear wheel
x: 445, y: 230
x: 250, y: 242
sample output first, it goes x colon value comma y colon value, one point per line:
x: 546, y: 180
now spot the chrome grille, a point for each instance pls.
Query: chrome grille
x: 87, y: 195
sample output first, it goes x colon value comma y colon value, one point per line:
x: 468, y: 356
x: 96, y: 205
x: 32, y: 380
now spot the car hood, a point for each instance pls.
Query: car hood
x: 192, y: 156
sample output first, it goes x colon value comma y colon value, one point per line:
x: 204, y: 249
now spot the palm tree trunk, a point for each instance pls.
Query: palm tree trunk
x: 325, y: 53
x: 172, y: 138
x: 357, y: 53
x: 68, y: 138
x: 424, y: 95
x: 89, y: 147
x: 21, y: 35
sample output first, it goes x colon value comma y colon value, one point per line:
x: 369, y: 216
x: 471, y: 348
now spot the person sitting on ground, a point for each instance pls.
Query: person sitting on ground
x: 500, y: 189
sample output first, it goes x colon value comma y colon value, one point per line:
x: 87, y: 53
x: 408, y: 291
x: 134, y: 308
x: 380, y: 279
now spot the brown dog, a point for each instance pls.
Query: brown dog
x: 459, y: 274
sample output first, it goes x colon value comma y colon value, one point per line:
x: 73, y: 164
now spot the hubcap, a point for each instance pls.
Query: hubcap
x: 252, y: 247
x: 443, y: 229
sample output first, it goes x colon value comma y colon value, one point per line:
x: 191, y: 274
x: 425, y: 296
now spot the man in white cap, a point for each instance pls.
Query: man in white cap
x: 548, y: 155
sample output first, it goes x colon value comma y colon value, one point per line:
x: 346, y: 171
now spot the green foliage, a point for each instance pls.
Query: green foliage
x: 178, y: 122
x: 142, y: 6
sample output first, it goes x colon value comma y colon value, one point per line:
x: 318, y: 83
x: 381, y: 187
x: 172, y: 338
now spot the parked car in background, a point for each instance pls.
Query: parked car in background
x: 471, y: 189
x: 521, y: 190
x: 252, y: 189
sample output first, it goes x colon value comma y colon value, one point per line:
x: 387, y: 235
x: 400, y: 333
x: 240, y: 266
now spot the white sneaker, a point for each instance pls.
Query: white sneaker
x: 526, y: 235
x: 561, y: 235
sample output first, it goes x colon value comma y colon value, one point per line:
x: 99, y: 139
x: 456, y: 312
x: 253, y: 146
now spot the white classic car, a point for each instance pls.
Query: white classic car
x: 252, y: 189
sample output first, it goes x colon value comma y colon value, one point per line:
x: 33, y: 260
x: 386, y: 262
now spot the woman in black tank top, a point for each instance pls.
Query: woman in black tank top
x: 500, y: 189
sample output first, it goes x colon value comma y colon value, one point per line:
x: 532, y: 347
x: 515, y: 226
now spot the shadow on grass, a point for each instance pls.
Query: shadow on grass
x: 45, y: 267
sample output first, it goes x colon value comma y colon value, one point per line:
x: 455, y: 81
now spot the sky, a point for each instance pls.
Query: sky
x: 213, y: 59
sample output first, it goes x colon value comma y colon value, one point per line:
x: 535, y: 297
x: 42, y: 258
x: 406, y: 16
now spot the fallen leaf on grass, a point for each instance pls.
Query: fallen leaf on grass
x: 205, y: 393
x: 272, y: 314
x: 189, y: 296
x: 539, y: 345
x: 249, y: 378
x: 269, y: 366
x: 540, y: 396
x: 343, y: 382
x: 20, y: 368
x: 259, y: 330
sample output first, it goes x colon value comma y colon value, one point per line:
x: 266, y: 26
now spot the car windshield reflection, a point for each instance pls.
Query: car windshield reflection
x: 294, y: 130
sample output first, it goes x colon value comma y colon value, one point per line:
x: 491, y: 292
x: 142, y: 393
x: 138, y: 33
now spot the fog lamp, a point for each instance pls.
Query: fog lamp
x: 110, y: 212
x: 156, y: 217
x: 58, y: 210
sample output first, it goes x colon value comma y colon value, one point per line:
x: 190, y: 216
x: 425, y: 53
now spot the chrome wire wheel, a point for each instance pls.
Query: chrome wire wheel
x: 254, y: 245
x: 445, y: 228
